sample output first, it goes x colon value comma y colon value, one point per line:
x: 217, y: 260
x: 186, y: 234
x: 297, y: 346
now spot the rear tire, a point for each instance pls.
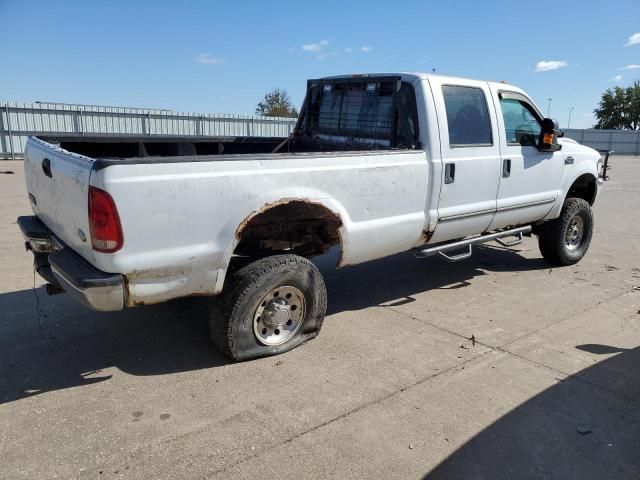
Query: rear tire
x: 565, y: 240
x: 269, y: 307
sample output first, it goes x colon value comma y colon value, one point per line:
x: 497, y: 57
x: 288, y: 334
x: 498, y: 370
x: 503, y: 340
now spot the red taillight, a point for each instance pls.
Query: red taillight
x: 104, y: 223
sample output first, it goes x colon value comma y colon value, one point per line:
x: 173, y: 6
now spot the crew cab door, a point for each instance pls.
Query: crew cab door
x: 530, y: 180
x: 470, y: 157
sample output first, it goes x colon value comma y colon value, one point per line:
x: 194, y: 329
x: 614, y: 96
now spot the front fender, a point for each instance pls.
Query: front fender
x: 579, y: 161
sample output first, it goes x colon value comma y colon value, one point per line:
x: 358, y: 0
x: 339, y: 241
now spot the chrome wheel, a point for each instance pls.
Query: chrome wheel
x: 279, y: 315
x: 575, y: 233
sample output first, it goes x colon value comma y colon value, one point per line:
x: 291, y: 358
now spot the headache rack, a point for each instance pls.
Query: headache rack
x: 358, y: 112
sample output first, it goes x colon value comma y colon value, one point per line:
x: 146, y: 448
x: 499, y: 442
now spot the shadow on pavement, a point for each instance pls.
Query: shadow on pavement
x: 69, y: 346
x: 400, y: 276
x: 584, y: 427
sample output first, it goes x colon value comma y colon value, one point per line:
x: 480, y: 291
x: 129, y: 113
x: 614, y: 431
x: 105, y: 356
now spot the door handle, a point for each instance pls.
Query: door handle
x: 449, y: 172
x: 506, y: 167
x: 46, y: 167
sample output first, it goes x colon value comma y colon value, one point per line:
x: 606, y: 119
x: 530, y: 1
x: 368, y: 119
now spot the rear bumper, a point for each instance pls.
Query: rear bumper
x: 63, y: 267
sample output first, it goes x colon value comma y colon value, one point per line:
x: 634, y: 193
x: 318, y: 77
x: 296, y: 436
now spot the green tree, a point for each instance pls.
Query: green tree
x: 276, y: 103
x: 619, y: 108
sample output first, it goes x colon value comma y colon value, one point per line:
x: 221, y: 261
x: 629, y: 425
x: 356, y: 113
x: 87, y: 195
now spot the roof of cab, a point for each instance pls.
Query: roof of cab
x: 416, y: 76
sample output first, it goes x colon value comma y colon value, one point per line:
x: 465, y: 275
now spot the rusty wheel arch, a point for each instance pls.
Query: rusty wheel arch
x: 293, y: 225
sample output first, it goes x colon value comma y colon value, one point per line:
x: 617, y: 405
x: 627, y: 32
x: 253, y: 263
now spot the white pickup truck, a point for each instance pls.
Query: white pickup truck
x: 376, y: 165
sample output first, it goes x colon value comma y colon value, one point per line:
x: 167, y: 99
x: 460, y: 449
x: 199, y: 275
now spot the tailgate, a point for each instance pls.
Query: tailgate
x: 58, y: 184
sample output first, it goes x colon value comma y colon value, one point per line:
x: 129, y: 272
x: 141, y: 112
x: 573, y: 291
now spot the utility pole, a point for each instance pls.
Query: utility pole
x: 569, y: 122
x: 548, y: 107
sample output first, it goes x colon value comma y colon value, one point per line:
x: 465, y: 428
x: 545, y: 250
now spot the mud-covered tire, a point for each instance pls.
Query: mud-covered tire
x: 232, y: 314
x: 565, y: 240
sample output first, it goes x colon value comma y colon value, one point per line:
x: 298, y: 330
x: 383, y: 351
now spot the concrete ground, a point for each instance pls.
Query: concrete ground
x: 392, y: 388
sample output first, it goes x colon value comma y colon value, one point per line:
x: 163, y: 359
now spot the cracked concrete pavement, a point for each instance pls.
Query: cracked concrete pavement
x: 393, y: 387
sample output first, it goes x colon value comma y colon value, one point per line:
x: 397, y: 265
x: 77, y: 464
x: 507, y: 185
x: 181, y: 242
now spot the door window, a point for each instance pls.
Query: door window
x: 520, y: 122
x: 467, y: 116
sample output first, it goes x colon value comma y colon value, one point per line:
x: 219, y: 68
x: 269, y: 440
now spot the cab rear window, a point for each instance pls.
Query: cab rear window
x: 373, y: 112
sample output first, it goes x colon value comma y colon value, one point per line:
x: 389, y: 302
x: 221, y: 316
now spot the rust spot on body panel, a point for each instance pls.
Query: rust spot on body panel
x: 425, y: 236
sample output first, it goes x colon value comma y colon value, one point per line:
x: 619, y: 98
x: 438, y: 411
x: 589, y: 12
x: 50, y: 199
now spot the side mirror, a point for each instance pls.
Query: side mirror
x: 548, y: 141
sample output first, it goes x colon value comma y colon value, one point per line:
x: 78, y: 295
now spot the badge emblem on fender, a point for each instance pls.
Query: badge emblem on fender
x: 82, y: 236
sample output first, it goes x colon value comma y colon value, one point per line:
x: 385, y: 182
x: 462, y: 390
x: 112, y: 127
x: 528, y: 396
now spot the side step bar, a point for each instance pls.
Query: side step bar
x: 442, y: 249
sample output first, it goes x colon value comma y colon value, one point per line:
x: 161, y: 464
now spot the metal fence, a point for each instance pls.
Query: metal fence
x: 621, y: 142
x: 20, y: 120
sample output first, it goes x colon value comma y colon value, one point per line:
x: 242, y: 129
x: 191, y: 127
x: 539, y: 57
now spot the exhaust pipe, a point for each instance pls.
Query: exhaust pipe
x: 52, y: 289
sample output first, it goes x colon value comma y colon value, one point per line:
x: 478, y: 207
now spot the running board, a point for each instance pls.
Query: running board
x: 467, y: 243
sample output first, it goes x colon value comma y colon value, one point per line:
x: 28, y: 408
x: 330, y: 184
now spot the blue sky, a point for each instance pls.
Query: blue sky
x: 219, y: 56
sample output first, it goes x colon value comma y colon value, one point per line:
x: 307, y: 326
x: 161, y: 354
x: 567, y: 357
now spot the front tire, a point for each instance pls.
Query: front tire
x: 268, y: 307
x: 565, y: 240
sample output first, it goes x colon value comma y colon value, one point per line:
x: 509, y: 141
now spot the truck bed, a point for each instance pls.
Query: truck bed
x: 109, y: 150
x: 106, y: 151
x: 132, y: 146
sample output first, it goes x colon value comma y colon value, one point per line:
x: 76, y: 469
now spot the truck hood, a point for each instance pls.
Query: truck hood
x: 570, y: 146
